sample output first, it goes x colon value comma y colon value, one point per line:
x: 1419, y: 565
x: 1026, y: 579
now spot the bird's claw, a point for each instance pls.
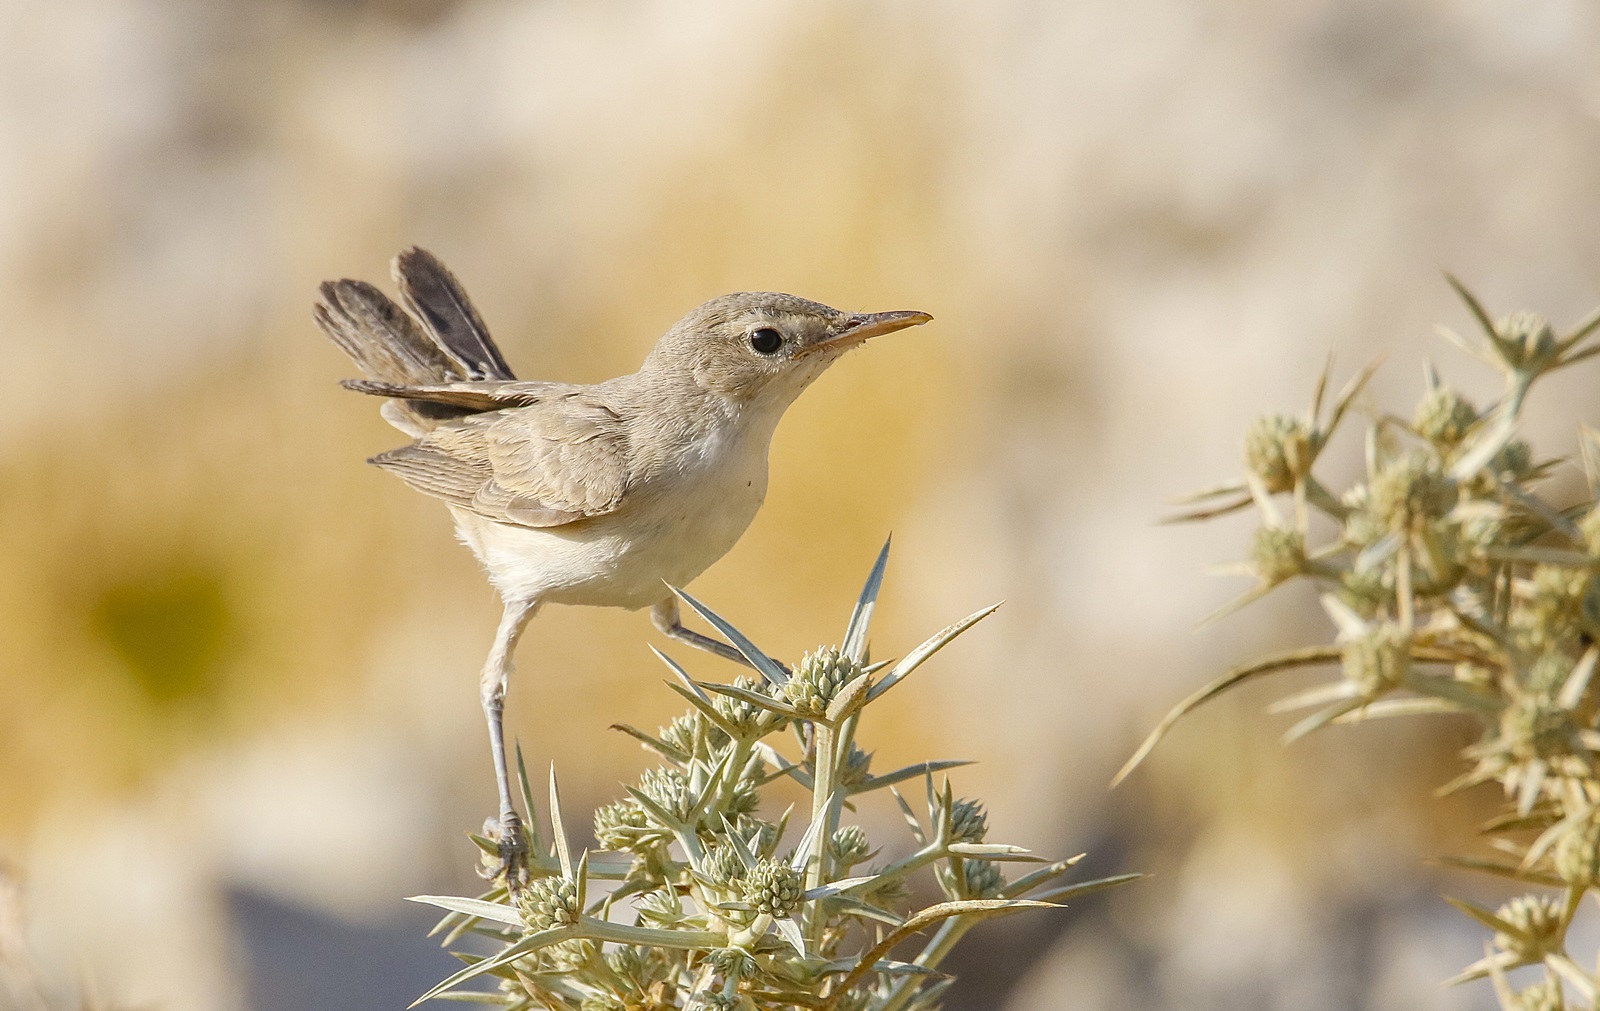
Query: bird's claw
x: 509, y: 866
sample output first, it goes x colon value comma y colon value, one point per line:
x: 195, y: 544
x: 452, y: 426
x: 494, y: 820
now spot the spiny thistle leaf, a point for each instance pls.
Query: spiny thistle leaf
x: 768, y: 668
x: 527, y: 945
x: 476, y: 908
x: 1271, y: 665
x: 855, y: 633
x: 934, y: 644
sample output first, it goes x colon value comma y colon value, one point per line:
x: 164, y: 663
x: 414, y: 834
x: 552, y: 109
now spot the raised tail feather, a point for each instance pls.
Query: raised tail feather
x: 451, y: 345
x: 434, y: 295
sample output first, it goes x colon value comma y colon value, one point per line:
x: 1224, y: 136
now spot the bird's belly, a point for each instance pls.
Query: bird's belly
x: 623, y: 559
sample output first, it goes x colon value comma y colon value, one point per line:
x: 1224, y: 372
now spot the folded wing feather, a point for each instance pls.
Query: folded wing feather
x: 548, y: 464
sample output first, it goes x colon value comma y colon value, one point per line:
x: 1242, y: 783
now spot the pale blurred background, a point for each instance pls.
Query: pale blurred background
x: 238, y: 711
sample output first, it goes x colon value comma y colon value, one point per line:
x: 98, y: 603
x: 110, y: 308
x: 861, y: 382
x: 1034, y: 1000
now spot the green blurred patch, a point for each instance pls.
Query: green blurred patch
x: 173, y: 631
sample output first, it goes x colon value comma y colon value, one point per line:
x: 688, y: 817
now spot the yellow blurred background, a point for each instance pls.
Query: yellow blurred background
x: 238, y: 712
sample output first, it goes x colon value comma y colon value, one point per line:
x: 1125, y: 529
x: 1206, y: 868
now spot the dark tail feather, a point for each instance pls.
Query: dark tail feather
x: 388, y: 347
x: 380, y: 338
x: 434, y: 295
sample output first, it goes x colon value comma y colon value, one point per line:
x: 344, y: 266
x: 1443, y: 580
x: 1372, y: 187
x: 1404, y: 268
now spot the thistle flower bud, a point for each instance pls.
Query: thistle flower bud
x: 1515, y: 460
x: 984, y: 878
x: 723, y: 865
x: 1532, y: 727
x: 1523, y: 338
x: 685, y: 731
x: 1443, y: 417
x: 849, y: 846
x: 1410, y: 490
x: 1378, y: 660
x: 661, y: 907
x: 745, y: 717
x: 760, y: 836
x: 1357, y: 501
x: 968, y: 821
x: 772, y: 886
x: 857, y: 765
x: 668, y: 788
x: 1537, y: 922
x: 1546, y: 996
x: 1277, y: 450
x: 1577, y: 856
x: 1366, y: 591
x: 618, y: 826
x: 548, y: 903
x: 1547, y: 673
x: 572, y: 955
x: 1553, y: 611
x: 627, y: 961
x: 818, y: 678
x: 745, y: 795
x: 1279, y: 553
x: 732, y: 962
x: 680, y: 733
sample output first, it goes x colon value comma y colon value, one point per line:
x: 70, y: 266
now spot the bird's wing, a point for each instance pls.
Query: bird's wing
x: 552, y: 463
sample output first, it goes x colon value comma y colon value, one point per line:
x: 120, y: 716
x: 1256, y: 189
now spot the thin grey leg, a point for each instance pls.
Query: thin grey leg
x: 666, y: 618
x: 496, y: 672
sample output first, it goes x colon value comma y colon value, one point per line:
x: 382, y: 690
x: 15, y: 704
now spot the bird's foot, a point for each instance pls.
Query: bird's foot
x: 509, y: 865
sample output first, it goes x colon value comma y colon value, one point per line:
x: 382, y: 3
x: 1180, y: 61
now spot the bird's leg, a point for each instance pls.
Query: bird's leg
x: 496, y: 672
x: 666, y: 618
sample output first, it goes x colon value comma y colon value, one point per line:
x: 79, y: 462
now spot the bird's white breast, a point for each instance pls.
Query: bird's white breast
x: 669, y: 529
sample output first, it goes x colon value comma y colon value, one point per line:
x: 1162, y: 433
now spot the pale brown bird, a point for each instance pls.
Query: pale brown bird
x: 573, y: 494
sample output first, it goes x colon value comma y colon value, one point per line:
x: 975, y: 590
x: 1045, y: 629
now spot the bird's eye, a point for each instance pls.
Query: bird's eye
x: 765, y: 341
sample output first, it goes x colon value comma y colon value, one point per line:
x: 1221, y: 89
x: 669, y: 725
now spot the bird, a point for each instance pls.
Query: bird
x: 608, y: 494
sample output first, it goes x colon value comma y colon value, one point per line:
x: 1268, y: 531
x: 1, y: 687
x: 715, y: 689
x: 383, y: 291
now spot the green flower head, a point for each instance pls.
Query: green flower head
x: 984, y: 878
x: 1577, y: 856
x: 1278, y: 553
x: 849, y: 846
x: 1277, y: 450
x: 1444, y: 416
x: 548, y: 903
x: 1411, y: 490
x: 968, y: 821
x: 818, y: 678
x: 774, y: 887
x: 619, y: 826
x: 1536, y: 921
x: 1378, y: 660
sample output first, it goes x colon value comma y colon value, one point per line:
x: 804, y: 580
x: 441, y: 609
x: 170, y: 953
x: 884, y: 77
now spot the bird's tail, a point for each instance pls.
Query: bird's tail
x: 440, y: 340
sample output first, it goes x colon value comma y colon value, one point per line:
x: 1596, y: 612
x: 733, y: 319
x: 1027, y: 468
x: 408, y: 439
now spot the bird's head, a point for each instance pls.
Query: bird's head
x: 764, y: 345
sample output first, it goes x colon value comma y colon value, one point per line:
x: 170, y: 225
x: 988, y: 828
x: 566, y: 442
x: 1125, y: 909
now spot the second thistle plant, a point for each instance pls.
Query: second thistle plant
x: 1454, y: 586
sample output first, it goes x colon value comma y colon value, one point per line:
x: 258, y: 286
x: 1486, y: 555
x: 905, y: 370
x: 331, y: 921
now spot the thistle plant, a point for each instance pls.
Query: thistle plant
x: 1453, y: 586
x: 703, y: 899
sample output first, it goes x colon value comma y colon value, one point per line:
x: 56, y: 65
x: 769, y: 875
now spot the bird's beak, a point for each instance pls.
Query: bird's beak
x: 864, y: 326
